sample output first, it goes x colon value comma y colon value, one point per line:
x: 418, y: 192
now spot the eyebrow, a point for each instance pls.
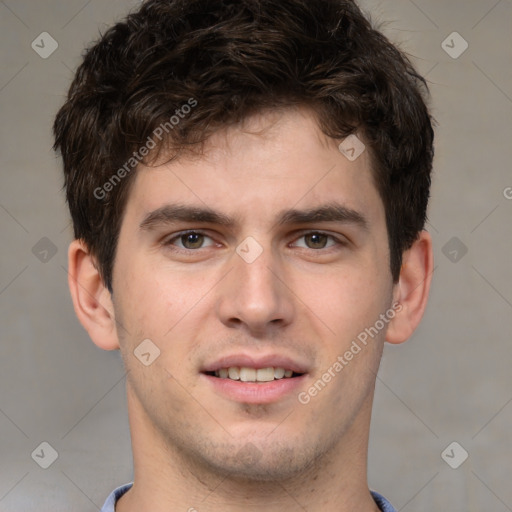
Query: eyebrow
x: 330, y: 212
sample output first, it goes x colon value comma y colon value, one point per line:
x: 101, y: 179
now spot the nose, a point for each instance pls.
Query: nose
x: 255, y: 295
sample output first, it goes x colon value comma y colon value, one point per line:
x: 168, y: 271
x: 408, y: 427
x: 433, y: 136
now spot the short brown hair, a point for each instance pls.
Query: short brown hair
x: 226, y: 60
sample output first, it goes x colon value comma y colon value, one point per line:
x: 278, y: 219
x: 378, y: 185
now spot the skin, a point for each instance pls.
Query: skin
x: 305, y: 297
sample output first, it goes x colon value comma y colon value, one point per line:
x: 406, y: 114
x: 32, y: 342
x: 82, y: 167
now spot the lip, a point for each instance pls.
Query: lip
x: 254, y: 392
x: 250, y: 361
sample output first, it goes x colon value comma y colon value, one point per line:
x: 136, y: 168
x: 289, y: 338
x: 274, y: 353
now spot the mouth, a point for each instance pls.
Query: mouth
x: 247, y: 374
x: 255, y: 380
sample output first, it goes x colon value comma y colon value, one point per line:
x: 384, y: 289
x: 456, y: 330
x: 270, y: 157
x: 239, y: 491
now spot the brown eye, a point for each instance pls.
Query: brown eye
x: 191, y: 240
x: 316, y: 240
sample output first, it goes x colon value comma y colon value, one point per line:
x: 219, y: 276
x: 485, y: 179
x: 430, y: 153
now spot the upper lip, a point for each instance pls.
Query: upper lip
x: 253, y: 361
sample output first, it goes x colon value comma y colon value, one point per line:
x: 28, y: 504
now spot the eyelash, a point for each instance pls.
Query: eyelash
x: 169, y: 241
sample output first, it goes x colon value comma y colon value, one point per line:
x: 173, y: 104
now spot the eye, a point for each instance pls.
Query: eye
x: 190, y: 240
x: 318, y: 240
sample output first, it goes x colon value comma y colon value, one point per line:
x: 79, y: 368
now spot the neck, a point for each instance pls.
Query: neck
x: 166, y: 479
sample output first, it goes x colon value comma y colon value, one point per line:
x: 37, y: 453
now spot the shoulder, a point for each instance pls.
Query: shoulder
x: 382, y: 502
x: 110, y: 503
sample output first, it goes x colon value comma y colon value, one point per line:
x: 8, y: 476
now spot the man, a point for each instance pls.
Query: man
x: 248, y: 182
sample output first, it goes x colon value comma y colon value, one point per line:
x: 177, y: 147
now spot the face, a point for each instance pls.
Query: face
x: 267, y: 254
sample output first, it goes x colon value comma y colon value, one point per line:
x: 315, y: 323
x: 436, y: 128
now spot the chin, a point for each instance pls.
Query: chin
x: 250, y: 464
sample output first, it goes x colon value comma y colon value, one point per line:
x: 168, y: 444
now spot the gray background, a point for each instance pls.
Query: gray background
x: 450, y: 382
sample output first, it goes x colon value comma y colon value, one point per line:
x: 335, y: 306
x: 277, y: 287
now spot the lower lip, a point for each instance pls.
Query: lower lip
x: 255, y: 392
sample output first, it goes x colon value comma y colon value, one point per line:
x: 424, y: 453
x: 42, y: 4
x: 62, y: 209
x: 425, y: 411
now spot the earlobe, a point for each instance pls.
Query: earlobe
x: 412, y: 289
x: 91, y: 299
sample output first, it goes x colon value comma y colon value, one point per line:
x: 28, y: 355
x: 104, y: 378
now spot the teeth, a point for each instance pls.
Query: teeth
x: 252, y: 374
x: 247, y: 374
x: 279, y: 373
x: 265, y: 374
x: 233, y: 372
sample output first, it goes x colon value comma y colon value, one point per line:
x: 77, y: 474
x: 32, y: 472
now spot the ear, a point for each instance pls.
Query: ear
x: 412, y: 289
x: 91, y: 299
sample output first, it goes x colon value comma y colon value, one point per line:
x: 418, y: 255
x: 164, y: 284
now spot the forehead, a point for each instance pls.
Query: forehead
x: 271, y: 162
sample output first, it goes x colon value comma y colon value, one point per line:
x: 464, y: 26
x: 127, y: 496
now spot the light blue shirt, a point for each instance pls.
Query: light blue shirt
x: 110, y: 504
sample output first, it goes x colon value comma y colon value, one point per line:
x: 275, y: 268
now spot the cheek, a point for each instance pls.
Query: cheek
x: 348, y: 301
x: 156, y: 301
x: 143, y: 299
